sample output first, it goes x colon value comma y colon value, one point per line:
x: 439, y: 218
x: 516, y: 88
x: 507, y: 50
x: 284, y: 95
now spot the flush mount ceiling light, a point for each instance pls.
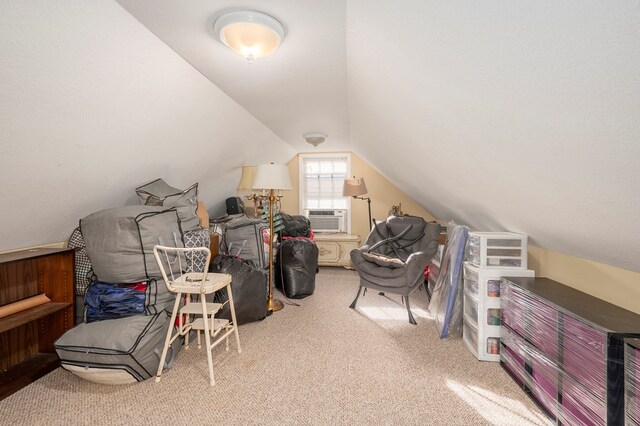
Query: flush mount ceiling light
x: 250, y: 33
x: 315, y: 138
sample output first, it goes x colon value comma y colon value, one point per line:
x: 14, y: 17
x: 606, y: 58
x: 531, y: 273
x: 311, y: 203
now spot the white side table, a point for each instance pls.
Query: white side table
x: 334, y: 249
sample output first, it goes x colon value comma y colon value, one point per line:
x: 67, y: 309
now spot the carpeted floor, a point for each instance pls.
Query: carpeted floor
x: 321, y: 363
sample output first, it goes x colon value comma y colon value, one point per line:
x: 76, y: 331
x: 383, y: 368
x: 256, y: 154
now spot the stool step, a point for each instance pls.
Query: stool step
x: 218, y: 324
x: 196, y: 308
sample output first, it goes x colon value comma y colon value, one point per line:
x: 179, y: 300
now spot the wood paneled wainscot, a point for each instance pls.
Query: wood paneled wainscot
x: 26, y: 337
x: 334, y: 249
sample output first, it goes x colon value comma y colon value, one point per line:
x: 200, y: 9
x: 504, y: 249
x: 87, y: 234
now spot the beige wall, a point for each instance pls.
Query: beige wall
x: 383, y: 195
x: 615, y: 285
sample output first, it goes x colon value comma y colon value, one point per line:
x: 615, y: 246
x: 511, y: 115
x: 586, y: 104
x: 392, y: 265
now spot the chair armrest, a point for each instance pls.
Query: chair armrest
x: 356, y: 255
x: 416, y: 263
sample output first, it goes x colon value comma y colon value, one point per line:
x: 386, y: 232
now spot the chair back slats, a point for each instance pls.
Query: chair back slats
x: 186, y: 258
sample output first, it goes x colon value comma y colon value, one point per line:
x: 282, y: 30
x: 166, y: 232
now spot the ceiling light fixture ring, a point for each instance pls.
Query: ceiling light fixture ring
x: 250, y: 33
x: 315, y: 138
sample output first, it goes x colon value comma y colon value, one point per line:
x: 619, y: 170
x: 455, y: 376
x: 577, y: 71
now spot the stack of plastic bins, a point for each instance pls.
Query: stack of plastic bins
x: 490, y: 256
x: 632, y: 381
x: 497, y: 250
x: 482, y: 309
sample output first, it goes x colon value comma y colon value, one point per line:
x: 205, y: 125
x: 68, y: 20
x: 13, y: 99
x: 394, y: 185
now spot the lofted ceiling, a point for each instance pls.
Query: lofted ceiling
x: 521, y: 116
x: 502, y: 115
x: 301, y: 89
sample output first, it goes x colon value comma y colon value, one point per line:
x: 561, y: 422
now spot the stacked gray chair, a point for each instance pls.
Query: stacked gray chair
x: 395, y: 255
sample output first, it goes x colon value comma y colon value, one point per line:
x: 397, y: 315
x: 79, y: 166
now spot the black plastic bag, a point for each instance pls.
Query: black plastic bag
x: 296, y: 267
x: 249, y: 286
x: 295, y: 226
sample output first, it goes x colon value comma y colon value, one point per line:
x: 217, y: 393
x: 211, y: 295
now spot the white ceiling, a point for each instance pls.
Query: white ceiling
x: 521, y: 116
x: 301, y: 89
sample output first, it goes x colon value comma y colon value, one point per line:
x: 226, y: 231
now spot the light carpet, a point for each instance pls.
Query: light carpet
x: 317, y: 364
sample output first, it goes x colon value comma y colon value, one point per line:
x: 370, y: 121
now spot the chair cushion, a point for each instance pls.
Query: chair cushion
x: 382, y: 260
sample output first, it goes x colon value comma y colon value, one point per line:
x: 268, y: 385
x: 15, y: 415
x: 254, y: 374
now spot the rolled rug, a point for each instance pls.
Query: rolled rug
x: 23, y: 305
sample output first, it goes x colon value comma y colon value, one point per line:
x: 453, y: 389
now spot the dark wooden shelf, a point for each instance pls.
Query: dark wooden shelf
x: 27, y: 338
x: 31, y: 314
x: 27, y: 372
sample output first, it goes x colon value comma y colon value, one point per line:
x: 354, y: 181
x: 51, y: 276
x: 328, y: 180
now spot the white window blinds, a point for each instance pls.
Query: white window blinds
x: 322, y: 181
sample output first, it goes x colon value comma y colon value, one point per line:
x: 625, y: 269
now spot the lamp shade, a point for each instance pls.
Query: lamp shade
x: 354, y: 187
x: 272, y: 176
x: 250, y: 33
x: 246, y: 180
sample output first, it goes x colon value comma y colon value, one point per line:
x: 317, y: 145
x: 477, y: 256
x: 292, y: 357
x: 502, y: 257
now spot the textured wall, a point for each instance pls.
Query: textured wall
x: 93, y: 105
x: 520, y: 116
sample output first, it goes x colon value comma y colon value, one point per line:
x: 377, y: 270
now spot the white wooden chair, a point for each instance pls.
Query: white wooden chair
x: 178, y: 267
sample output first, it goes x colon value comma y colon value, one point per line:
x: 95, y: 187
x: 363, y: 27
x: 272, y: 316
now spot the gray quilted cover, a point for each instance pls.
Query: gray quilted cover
x: 160, y: 193
x: 133, y: 344
x: 244, y: 238
x: 120, y: 241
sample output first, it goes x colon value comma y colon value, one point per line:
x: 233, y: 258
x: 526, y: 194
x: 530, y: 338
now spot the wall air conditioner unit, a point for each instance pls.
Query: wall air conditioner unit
x: 327, y: 220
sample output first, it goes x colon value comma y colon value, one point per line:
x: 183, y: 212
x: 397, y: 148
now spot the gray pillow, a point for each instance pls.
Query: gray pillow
x: 160, y: 193
x: 382, y: 260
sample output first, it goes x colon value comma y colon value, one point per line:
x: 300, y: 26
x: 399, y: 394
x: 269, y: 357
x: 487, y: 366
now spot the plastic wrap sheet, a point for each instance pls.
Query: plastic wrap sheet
x: 632, y: 383
x: 534, y: 334
x: 446, y: 299
x: 433, y: 271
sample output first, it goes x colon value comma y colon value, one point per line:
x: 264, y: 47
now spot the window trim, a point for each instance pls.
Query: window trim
x: 301, y: 175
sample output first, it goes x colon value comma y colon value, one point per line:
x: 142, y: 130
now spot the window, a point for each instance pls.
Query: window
x: 321, y: 180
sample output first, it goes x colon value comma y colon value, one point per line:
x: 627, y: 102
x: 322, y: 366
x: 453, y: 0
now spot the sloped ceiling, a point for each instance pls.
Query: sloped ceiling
x: 520, y: 116
x: 94, y: 105
x: 302, y: 89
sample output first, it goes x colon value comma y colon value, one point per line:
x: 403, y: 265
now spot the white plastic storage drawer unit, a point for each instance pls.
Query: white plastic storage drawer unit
x: 482, y: 308
x: 497, y: 250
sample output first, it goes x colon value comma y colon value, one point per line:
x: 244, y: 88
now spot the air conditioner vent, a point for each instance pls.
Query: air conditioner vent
x: 327, y: 220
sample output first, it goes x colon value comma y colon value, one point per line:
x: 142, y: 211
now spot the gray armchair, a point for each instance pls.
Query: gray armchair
x: 395, y: 255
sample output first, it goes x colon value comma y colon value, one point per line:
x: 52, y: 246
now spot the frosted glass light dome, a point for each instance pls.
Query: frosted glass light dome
x: 250, y: 33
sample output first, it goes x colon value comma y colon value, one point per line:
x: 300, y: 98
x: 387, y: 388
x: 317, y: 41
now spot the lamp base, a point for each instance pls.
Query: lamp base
x: 275, y: 305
